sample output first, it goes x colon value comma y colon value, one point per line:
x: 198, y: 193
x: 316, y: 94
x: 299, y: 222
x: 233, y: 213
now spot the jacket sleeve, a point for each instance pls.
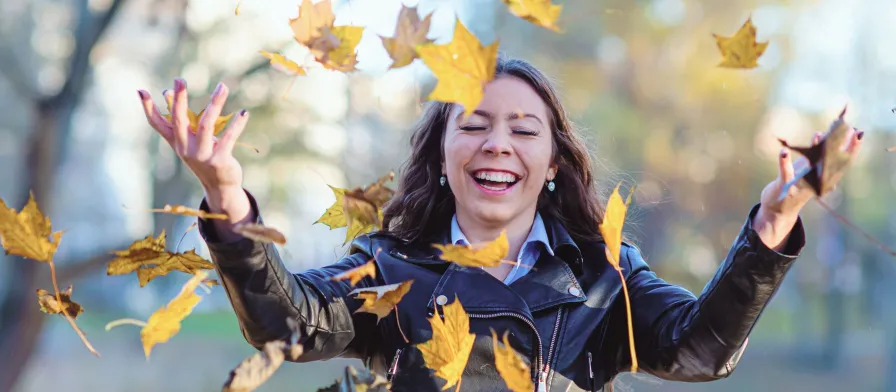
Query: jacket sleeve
x: 683, y: 338
x: 264, y: 294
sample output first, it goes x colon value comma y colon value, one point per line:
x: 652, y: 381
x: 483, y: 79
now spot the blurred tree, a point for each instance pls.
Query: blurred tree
x: 51, y: 118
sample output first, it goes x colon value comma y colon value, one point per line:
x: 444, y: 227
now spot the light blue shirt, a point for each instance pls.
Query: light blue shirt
x: 529, y: 252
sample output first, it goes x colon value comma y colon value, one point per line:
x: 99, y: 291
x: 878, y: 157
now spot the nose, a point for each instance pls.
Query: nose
x: 498, y: 142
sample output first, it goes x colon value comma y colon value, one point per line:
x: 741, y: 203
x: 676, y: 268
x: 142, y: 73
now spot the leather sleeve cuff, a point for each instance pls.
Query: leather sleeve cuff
x: 239, y: 249
x: 795, y: 242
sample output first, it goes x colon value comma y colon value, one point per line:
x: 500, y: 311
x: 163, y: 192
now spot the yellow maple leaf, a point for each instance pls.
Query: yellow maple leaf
x: 359, y: 209
x: 409, y: 32
x: 27, y: 233
x: 149, y: 258
x: 194, y: 117
x: 611, y: 226
x: 510, y: 365
x: 332, y: 46
x: 539, y: 12
x: 449, y: 348
x: 611, y: 231
x: 165, y: 322
x: 488, y: 255
x: 283, y: 64
x: 355, y: 275
x: 741, y: 50
x: 462, y: 66
x: 380, y: 300
x: 49, y: 304
x: 334, y: 217
x: 260, y: 233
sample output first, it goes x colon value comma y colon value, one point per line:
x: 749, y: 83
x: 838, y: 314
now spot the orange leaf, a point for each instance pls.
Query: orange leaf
x: 149, y: 259
x: 488, y: 255
x: 332, y: 46
x: 611, y: 226
x: 409, y: 32
x: 380, y: 300
x: 194, y: 117
x: 539, y: 12
x: 511, y: 366
x: 355, y: 275
x: 165, y: 322
x: 28, y: 233
x: 449, y: 348
x: 283, y: 64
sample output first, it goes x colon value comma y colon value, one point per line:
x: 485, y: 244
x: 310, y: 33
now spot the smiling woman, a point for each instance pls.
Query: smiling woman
x: 513, y: 164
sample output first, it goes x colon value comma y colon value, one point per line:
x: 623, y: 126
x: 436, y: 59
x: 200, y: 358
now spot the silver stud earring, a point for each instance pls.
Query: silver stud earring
x: 442, y: 180
x: 551, y: 186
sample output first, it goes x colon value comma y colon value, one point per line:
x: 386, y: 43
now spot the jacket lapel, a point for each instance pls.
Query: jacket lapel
x: 477, y: 291
x: 550, y: 283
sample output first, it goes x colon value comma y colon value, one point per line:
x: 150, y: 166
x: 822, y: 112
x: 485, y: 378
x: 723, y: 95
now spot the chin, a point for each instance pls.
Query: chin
x: 493, y: 214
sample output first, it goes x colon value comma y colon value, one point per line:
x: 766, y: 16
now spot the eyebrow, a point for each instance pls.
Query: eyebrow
x: 512, y: 116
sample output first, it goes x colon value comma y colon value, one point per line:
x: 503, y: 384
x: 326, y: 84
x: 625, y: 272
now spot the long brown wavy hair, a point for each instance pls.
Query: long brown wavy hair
x: 421, y: 209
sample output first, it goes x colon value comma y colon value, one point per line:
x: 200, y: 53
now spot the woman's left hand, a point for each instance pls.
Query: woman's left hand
x: 777, y: 216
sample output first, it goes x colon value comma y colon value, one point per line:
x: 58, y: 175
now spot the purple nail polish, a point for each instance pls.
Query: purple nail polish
x: 243, y: 113
x: 142, y: 94
x: 860, y: 135
x: 218, y: 89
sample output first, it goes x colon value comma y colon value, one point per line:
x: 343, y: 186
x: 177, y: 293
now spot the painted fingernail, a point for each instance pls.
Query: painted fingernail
x: 218, y: 89
x: 860, y: 135
x: 179, y: 85
x: 243, y: 113
x: 784, y: 154
x: 142, y: 94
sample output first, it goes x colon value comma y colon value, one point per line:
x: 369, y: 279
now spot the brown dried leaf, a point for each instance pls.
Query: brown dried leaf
x: 410, y: 31
x: 359, y: 381
x: 187, y: 211
x: 149, y: 258
x: 380, y: 300
x: 260, y: 233
x: 254, y: 371
x: 356, y: 274
x: 828, y: 159
x: 49, y: 304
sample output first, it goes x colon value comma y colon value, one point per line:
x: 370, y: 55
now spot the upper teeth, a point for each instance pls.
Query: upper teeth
x: 495, y: 176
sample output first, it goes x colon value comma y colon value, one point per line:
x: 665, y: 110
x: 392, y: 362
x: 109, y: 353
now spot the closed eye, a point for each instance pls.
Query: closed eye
x: 473, y: 128
x: 523, y: 131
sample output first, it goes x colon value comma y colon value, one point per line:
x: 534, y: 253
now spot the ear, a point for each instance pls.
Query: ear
x: 443, y: 168
x: 552, y: 172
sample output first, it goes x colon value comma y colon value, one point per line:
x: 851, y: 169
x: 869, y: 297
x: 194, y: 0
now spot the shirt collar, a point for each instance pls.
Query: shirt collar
x: 537, y: 234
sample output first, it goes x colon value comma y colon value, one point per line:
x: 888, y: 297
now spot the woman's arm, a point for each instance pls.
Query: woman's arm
x: 684, y: 338
x: 264, y: 294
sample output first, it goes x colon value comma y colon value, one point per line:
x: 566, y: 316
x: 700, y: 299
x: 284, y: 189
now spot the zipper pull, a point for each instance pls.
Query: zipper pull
x: 394, y: 367
x: 590, y: 372
x: 542, y: 380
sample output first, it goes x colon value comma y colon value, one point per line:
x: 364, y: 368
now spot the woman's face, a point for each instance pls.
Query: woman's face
x: 498, y: 159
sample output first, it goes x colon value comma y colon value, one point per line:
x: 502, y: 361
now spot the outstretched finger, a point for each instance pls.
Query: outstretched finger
x: 154, y: 117
x: 785, y: 165
x: 209, y: 118
x: 855, y: 142
x: 179, y: 119
x: 816, y: 138
x: 233, y: 132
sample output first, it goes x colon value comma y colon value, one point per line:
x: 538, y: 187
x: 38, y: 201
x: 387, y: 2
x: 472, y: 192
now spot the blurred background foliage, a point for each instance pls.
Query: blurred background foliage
x: 638, y: 77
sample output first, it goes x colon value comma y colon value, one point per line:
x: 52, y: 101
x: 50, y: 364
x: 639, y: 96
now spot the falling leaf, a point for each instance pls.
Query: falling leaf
x: 611, y: 226
x: 283, y: 64
x: 211, y: 282
x: 741, y: 50
x: 462, y: 66
x: 510, y: 365
x: 488, y: 255
x: 27, y: 233
x: 611, y: 231
x: 49, y: 304
x: 539, y: 12
x: 332, y: 46
x: 891, y: 149
x: 165, y: 322
x: 355, y: 275
x: 409, y: 33
x: 194, y: 118
x: 149, y: 258
x: 364, y: 204
x: 360, y: 203
x: 828, y: 159
x: 359, y: 381
x: 380, y: 300
x: 258, y: 368
x: 236, y: 11
x: 260, y: 233
x: 187, y: 211
x: 449, y: 348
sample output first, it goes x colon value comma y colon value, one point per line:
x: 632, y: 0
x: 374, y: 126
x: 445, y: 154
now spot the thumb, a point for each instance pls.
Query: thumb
x: 785, y: 166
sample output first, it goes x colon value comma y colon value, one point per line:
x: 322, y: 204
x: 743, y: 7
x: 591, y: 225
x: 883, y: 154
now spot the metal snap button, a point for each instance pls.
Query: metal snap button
x: 574, y: 291
x: 441, y: 300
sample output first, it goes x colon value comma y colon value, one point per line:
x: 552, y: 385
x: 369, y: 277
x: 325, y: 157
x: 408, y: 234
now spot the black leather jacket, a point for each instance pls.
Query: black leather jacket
x: 566, y: 316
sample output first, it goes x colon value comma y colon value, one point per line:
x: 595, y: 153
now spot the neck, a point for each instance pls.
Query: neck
x: 479, y: 232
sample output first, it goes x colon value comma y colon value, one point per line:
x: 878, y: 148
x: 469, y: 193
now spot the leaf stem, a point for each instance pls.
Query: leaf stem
x: 631, y: 331
x: 398, y: 322
x: 68, y: 317
x: 182, y: 236
x: 115, y: 323
x: 846, y: 222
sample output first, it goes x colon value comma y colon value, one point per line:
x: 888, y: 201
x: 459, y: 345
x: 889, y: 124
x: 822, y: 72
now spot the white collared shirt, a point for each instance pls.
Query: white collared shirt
x: 529, y: 252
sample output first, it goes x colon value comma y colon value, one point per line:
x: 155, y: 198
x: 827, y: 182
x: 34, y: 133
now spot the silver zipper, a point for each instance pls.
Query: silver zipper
x: 543, y: 378
x: 394, y: 367
x: 501, y: 314
x: 590, y: 372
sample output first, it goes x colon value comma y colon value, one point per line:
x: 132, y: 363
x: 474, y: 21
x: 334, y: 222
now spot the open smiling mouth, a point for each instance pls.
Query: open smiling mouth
x: 495, y: 180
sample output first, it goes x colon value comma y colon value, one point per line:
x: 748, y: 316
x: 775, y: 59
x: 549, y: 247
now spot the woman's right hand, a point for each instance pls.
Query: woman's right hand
x: 211, y: 160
